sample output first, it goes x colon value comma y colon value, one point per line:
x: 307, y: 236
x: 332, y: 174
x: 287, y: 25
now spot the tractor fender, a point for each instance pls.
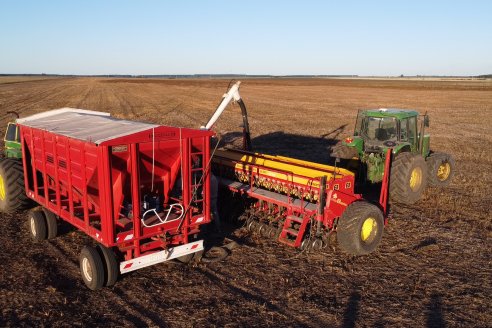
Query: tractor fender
x: 401, y: 149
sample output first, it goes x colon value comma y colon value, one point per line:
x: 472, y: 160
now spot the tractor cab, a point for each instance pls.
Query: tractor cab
x: 12, y: 148
x: 376, y: 131
x: 379, y: 129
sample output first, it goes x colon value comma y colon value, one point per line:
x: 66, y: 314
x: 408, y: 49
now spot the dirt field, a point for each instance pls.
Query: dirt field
x: 433, y: 267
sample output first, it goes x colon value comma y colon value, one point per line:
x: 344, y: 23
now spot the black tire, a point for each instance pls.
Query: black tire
x: 215, y: 254
x: 186, y: 258
x: 408, y: 178
x: 37, y: 225
x: 51, y: 223
x: 110, y: 264
x: 441, y: 169
x: 91, y: 268
x: 360, y: 228
x: 12, y: 192
x: 342, y: 151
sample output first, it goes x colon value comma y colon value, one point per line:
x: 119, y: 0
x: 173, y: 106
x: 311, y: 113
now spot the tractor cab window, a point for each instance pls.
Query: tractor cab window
x: 408, y: 130
x: 404, y: 130
x: 378, y: 128
x: 412, y: 130
x: 12, y: 133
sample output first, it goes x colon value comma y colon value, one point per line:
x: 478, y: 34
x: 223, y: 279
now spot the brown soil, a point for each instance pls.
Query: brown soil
x: 433, y: 267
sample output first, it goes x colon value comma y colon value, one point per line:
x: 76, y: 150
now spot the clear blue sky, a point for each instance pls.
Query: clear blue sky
x: 250, y: 37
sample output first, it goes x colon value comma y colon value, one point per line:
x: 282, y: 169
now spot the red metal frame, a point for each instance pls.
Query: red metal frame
x: 337, y: 200
x: 383, y: 195
x: 99, y: 188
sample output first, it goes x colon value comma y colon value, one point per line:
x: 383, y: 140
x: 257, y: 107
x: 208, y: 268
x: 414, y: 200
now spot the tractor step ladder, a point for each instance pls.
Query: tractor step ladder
x: 289, y: 230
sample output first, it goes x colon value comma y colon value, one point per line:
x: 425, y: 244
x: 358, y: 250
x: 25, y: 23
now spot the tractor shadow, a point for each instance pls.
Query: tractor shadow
x: 304, y: 147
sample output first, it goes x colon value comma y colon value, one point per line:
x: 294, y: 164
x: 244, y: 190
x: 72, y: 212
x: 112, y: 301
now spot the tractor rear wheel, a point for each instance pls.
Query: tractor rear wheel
x: 408, y: 178
x: 360, y: 228
x: 91, y: 268
x: 37, y: 225
x: 12, y: 191
x: 441, y: 169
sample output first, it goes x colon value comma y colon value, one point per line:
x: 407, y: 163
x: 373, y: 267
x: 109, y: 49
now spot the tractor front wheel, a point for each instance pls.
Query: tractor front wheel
x: 360, y: 228
x: 408, y: 178
x: 441, y: 169
x: 12, y: 194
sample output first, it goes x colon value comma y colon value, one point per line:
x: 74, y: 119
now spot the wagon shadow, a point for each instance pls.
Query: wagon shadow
x: 141, y: 310
x: 54, y: 276
x: 256, y: 296
x: 65, y: 228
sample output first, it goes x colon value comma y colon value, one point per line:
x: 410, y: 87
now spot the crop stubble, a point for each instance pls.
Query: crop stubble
x: 433, y: 266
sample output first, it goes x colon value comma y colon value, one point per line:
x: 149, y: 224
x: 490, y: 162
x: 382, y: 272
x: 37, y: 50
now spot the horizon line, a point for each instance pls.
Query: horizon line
x: 245, y: 75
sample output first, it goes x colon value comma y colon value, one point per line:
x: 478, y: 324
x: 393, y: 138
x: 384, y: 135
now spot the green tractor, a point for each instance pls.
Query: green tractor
x: 414, y: 165
x: 12, y: 195
x: 12, y: 145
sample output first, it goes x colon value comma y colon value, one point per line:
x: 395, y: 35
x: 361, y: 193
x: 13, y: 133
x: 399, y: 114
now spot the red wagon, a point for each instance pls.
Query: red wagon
x: 140, y: 190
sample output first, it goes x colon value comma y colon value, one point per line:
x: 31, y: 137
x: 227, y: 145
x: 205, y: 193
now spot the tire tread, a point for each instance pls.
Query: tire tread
x: 97, y: 267
x: 433, y: 162
x: 399, y: 189
x: 348, y: 234
x: 16, y: 198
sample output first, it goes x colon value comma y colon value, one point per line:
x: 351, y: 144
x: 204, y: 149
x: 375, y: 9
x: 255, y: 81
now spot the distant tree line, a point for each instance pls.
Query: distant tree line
x: 182, y: 76
x: 201, y: 76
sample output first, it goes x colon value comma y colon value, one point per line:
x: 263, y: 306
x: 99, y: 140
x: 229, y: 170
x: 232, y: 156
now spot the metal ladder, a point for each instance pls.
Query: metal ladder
x: 197, y: 177
x: 289, y: 230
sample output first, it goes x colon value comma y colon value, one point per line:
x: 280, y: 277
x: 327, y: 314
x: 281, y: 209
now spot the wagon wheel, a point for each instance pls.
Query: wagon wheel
x: 91, y: 268
x: 215, y: 254
x: 51, y: 223
x: 186, y: 258
x: 360, y: 228
x: 37, y: 225
x: 110, y: 264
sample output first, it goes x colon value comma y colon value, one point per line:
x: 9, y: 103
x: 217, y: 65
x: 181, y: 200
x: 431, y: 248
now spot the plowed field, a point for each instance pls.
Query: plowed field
x: 433, y: 267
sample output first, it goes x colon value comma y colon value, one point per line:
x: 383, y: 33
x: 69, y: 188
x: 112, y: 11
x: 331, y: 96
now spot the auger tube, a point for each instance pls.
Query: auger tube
x: 232, y: 94
x: 246, y: 135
